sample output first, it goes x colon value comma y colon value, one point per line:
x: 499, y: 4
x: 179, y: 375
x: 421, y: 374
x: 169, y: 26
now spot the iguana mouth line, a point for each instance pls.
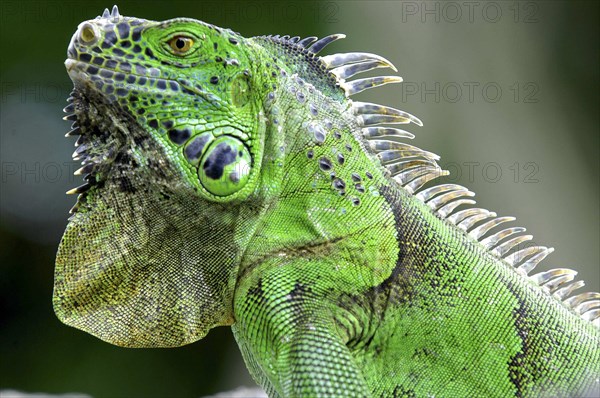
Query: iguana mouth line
x: 121, y: 81
x: 79, y: 65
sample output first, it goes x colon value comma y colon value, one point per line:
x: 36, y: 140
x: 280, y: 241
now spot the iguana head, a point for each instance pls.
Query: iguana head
x: 171, y: 137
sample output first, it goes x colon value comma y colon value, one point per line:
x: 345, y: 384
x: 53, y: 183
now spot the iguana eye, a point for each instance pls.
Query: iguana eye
x: 181, y: 44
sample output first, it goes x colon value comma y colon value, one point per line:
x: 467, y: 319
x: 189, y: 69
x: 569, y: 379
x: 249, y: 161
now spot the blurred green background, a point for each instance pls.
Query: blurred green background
x: 508, y: 92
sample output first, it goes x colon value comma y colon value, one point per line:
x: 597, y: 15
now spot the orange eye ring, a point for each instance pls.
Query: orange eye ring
x: 181, y: 44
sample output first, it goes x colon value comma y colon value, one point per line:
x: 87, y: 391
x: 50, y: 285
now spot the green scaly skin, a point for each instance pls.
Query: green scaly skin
x: 228, y: 183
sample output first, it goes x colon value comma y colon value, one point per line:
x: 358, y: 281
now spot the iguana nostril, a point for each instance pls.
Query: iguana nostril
x: 87, y: 34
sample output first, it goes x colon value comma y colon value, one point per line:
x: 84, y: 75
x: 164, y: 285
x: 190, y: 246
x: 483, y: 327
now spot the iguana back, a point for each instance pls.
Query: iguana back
x: 233, y: 182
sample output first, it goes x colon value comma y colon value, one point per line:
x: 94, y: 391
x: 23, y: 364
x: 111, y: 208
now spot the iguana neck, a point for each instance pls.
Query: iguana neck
x: 328, y: 184
x: 334, y: 190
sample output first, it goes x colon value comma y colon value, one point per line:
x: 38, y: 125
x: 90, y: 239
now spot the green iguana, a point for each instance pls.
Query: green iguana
x: 231, y: 181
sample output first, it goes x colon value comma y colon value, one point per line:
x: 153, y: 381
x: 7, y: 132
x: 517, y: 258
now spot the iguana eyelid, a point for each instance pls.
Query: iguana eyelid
x: 195, y: 45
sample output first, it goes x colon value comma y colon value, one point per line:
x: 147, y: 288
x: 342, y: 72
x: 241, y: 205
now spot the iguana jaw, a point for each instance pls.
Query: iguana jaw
x: 146, y: 260
x: 122, y: 271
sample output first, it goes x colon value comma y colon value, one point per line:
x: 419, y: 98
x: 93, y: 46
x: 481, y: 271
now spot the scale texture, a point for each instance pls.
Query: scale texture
x: 231, y: 181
